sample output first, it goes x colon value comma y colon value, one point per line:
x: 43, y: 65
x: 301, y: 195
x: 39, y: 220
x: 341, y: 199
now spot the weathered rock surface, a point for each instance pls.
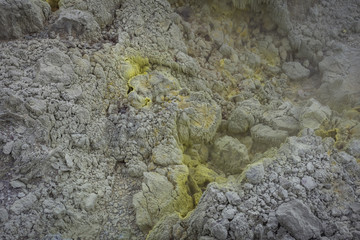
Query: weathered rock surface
x: 229, y: 155
x: 22, y: 17
x: 147, y: 113
x: 295, y: 71
x: 298, y: 220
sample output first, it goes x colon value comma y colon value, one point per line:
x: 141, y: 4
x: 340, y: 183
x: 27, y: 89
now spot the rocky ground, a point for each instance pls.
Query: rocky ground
x: 179, y: 119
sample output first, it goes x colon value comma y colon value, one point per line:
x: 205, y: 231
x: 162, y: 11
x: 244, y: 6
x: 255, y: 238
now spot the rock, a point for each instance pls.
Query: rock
x: 297, y: 218
x: 240, y: 121
x: 229, y: 212
x: 229, y: 155
x: 20, y: 17
x: 153, y: 201
x: 55, y: 67
x: 295, y: 71
x: 226, y: 50
x: 353, y: 148
x: 4, y: 216
x: 266, y: 136
x: 255, y: 173
x: 200, y: 119
x: 233, y: 198
x: 17, y: 184
x: 53, y: 207
x: 240, y: 227
x: 8, y: 147
x: 308, y: 182
x: 102, y: 11
x: 219, y: 232
x: 314, y: 114
x: 164, y: 229
x: 78, y: 24
x: 90, y: 201
x: 23, y: 204
x: 167, y: 154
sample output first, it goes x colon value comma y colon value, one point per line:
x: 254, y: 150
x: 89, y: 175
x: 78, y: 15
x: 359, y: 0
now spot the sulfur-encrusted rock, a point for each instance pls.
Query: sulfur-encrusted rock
x: 229, y: 155
x: 200, y: 118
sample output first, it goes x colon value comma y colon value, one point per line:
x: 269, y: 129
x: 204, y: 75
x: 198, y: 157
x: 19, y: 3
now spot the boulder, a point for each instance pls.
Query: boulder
x: 102, y: 11
x: 295, y: 71
x: 200, y: 118
x: 240, y: 121
x: 267, y: 136
x: 20, y: 17
x: 297, y: 218
x: 229, y: 155
x: 76, y: 23
x: 314, y: 114
x: 23, y: 204
x: 167, y: 154
x: 255, y: 173
x: 153, y: 201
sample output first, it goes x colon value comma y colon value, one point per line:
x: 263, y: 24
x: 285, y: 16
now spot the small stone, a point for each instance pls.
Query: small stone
x: 229, y: 212
x: 255, y: 173
x: 295, y: 71
x: 7, y: 148
x: 219, y: 231
x: 17, y: 184
x: 233, y: 198
x: 4, y: 216
x: 90, y: 201
x: 308, y: 182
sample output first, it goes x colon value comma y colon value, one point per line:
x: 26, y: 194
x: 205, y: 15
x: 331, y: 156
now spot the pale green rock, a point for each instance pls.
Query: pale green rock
x: 240, y: 121
x: 153, y: 201
x: 314, y: 114
x: 229, y: 155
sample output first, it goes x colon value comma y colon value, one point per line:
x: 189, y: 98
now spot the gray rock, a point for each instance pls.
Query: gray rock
x: 8, y: 147
x: 17, y: 184
x: 240, y: 227
x: 295, y: 71
x: 103, y: 11
x: 353, y: 148
x: 77, y: 23
x: 20, y: 17
x: 233, y: 198
x: 90, y: 201
x: 229, y: 212
x: 314, y: 114
x: 299, y: 220
x: 255, y: 173
x: 267, y: 136
x: 308, y: 182
x: 219, y: 231
x: 4, y: 216
x: 23, y: 204
x: 229, y: 155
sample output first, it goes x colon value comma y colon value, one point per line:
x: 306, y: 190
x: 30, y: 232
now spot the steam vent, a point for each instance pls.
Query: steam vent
x: 180, y: 119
